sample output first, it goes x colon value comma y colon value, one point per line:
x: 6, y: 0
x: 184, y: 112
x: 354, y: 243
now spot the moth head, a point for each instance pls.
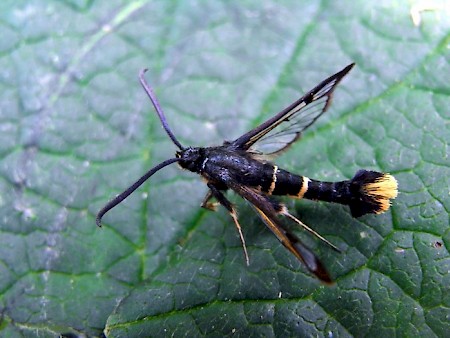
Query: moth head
x: 191, y: 158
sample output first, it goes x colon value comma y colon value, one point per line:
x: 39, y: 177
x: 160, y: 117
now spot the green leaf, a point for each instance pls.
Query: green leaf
x: 76, y: 129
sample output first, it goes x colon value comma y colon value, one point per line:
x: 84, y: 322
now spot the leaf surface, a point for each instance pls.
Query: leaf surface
x: 76, y: 129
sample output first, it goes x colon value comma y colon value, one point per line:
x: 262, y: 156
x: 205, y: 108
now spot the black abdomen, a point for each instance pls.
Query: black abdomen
x: 367, y: 192
x: 286, y: 183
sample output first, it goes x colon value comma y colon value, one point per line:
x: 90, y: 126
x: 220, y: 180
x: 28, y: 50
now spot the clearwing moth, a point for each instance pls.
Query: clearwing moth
x: 244, y: 166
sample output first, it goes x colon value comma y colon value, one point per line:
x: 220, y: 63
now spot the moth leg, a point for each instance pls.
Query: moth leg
x: 281, y: 209
x: 207, y: 204
x: 268, y: 211
x: 222, y: 200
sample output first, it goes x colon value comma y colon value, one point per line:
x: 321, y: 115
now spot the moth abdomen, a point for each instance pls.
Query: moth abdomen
x: 368, y: 192
x: 373, y: 192
x: 284, y: 183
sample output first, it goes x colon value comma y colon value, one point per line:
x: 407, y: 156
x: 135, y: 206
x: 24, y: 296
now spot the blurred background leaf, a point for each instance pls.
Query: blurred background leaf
x: 76, y: 129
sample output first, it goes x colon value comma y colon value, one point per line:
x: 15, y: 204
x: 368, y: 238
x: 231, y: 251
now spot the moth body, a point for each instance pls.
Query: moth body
x: 243, y: 166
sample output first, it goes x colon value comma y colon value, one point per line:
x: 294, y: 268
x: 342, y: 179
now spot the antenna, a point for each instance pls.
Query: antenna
x: 158, y: 108
x: 119, y: 198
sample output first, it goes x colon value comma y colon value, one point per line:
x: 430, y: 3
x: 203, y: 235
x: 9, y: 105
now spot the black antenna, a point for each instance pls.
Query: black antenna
x: 158, y: 109
x: 119, y: 198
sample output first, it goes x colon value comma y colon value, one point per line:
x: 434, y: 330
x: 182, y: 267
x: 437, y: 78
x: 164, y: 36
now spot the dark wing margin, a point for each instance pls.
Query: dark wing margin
x: 281, y: 131
x: 268, y: 214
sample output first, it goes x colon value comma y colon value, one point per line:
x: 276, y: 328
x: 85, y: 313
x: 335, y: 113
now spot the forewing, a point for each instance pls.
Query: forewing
x: 268, y: 214
x: 281, y: 131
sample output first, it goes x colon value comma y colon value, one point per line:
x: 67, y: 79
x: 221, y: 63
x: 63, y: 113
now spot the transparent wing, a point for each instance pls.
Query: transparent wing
x: 281, y: 137
x: 279, y: 132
